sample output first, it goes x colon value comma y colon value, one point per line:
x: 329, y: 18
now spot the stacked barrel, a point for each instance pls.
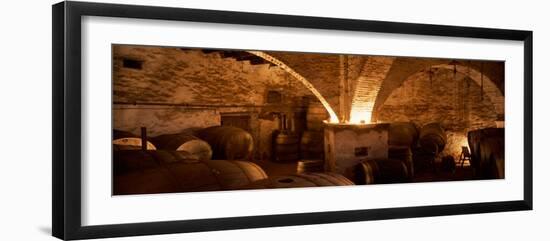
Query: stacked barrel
x: 305, y: 148
x: 409, y: 149
x: 302, y: 180
x: 123, y: 140
x: 431, y: 142
x: 184, y: 142
x: 402, y: 138
x: 399, y: 167
x: 305, y: 166
x: 161, y: 171
x: 382, y: 172
x: 432, y: 138
x: 487, y: 152
x: 209, y: 159
x: 228, y: 142
x: 312, y: 145
x: 287, y: 148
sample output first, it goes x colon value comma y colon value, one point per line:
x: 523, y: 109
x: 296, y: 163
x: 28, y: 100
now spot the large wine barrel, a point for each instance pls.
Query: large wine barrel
x: 312, y: 145
x: 487, y: 152
x: 448, y: 163
x: 287, y: 147
x: 141, y: 172
x: 404, y: 154
x: 302, y: 180
x: 184, y: 142
x: 310, y: 166
x: 316, y: 114
x: 402, y: 134
x: 123, y: 140
x: 424, y: 159
x: 381, y: 172
x: 432, y: 137
x: 228, y: 142
x: 147, y: 181
x: 138, y: 172
x: 125, y: 161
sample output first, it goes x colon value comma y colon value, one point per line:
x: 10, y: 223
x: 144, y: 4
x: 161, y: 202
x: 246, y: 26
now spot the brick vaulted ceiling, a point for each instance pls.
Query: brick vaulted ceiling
x: 381, y: 75
x: 376, y: 77
x: 316, y: 68
x: 403, y: 67
x: 325, y: 68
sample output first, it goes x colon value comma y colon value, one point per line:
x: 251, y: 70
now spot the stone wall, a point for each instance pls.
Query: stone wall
x: 324, y: 71
x: 346, y: 146
x: 191, y: 76
x: 176, y: 89
x: 458, y: 103
x: 403, y: 67
x: 161, y: 119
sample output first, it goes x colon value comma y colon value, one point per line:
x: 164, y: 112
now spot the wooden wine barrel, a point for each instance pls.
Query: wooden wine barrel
x: 184, y: 142
x: 487, y: 152
x: 316, y: 115
x: 495, y: 165
x: 312, y: 145
x: 287, y: 147
x: 125, y: 161
x: 402, y: 134
x: 123, y: 140
x: 424, y: 159
x: 141, y: 172
x: 232, y: 175
x: 134, y: 160
x: 404, y: 154
x: 228, y: 142
x: 432, y: 135
x: 147, y: 181
x: 302, y: 180
x: 310, y: 166
x: 138, y: 172
x: 381, y: 172
x: 448, y: 163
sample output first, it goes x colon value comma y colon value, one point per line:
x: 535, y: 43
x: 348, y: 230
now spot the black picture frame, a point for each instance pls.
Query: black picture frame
x: 66, y: 47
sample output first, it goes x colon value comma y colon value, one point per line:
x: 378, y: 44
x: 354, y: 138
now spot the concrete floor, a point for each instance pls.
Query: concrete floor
x: 425, y: 175
x: 460, y: 174
x: 277, y: 169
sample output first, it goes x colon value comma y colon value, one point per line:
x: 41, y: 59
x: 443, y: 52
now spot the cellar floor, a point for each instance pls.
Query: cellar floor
x: 429, y: 175
x: 277, y: 169
x: 422, y: 175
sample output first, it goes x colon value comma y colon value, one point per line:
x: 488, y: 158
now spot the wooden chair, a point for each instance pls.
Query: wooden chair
x: 465, y: 155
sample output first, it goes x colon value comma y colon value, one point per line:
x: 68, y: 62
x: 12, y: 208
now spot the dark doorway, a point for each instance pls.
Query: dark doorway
x: 237, y: 120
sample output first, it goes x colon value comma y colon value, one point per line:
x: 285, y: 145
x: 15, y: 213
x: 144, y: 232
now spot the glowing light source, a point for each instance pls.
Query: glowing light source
x: 464, y: 142
x: 366, y: 89
x: 360, y: 116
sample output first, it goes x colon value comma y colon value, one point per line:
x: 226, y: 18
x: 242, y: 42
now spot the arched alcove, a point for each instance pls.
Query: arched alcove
x: 301, y: 79
x: 457, y: 101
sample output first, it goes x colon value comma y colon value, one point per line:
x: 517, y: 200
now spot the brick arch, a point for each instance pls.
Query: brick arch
x: 489, y: 87
x: 302, y: 79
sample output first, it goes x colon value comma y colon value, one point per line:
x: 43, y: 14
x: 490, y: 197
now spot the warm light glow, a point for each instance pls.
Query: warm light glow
x: 308, y: 85
x: 333, y: 118
x: 367, y: 86
x: 360, y: 117
x: 361, y: 111
x: 464, y: 142
x: 362, y: 103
